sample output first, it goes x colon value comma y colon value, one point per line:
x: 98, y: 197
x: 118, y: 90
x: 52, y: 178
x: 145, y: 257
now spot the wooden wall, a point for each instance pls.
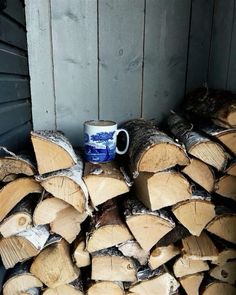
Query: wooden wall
x: 15, y: 106
x: 120, y: 59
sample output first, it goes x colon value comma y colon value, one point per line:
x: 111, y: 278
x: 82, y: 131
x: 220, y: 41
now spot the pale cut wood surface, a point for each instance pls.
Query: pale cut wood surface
x: 219, y: 288
x: 120, y: 63
x: 185, y: 266
x: 166, y: 46
x: 40, y: 49
x: 192, y: 283
x: 74, y: 39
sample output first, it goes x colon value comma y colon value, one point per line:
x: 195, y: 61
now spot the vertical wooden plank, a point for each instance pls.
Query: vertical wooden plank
x: 166, y: 46
x: 40, y: 63
x: 199, y: 43
x: 221, y: 43
x: 121, y: 25
x: 74, y: 31
x: 231, y: 83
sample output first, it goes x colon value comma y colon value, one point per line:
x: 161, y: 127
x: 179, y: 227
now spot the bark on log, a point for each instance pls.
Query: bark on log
x: 54, y: 267
x: 199, y: 248
x: 196, y: 213
x: 220, y: 105
x: 197, y: 144
x: 104, y: 182
x: 19, y: 218
x: 20, y: 279
x: 150, y: 149
x: 23, y: 246
x: 68, y: 185
x: 106, y: 228
x: 200, y: 173
x: 32, y: 291
x: 110, y: 265
x: 147, y: 226
x: 162, y: 189
x: 53, y: 151
x: 13, y: 165
x: 132, y: 248
x: 17, y: 189
x: 191, y: 283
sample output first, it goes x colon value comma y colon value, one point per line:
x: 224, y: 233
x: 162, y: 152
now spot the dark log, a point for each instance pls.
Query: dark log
x: 197, y: 144
x: 207, y: 103
x: 150, y: 149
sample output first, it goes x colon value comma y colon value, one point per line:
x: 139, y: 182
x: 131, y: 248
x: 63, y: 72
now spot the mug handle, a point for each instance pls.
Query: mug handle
x: 127, y: 141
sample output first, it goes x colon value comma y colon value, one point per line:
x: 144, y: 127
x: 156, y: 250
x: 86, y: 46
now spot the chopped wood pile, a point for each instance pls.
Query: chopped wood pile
x: 159, y: 220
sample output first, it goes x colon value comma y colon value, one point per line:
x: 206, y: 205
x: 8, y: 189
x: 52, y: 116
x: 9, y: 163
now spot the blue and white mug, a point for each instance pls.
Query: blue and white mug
x: 100, y: 138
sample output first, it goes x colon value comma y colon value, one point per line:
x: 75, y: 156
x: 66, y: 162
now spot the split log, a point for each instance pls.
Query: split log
x: 162, y: 189
x: 106, y: 288
x: 224, y: 224
x: 106, y: 228
x: 161, y: 255
x: 64, y: 219
x: 195, y: 213
x: 207, y: 103
x: 150, y: 149
x: 200, y: 173
x: 110, y: 265
x: 226, y: 187
x: 199, y: 248
x: 54, y: 267
x: 132, y: 248
x: 197, y: 144
x: 67, y: 185
x: 185, y: 266
x: 19, y: 280
x: 74, y: 288
x: 226, y: 136
x: 11, y: 166
x: 23, y: 246
x: 153, y: 282
x: 53, y: 151
x: 17, y: 189
x: 224, y: 256
x: 104, y: 182
x: 19, y: 218
x: 231, y: 169
x: 191, y: 283
x: 219, y: 288
x: 80, y: 254
x: 225, y: 273
x: 178, y: 233
x: 147, y: 226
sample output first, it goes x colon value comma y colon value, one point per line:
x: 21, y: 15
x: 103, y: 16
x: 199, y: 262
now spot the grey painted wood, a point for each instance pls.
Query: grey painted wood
x: 166, y: 45
x: 13, y: 88
x: 16, y: 138
x: 12, y: 33
x: 40, y: 63
x: 15, y: 9
x: 12, y: 63
x: 231, y: 83
x: 221, y: 43
x: 13, y: 115
x: 121, y: 25
x: 199, y: 43
x: 74, y: 32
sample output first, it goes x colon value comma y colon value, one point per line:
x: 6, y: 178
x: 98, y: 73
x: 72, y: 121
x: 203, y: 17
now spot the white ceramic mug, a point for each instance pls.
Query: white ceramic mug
x: 100, y: 138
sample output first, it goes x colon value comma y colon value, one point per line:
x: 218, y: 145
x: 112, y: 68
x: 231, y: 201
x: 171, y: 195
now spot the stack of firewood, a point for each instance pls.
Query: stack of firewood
x: 159, y: 221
